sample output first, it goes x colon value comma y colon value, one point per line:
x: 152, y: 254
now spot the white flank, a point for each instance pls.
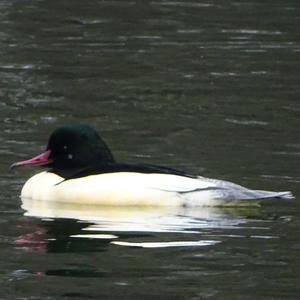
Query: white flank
x: 139, y: 189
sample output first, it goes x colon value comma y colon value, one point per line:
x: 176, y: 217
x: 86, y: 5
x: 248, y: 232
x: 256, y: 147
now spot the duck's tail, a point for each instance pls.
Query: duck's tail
x: 226, y: 190
x: 261, y: 195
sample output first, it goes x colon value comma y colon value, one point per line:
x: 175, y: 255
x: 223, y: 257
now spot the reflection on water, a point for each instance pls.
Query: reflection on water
x: 167, y: 244
x: 162, y: 217
x: 112, y: 224
x: 83, y: 242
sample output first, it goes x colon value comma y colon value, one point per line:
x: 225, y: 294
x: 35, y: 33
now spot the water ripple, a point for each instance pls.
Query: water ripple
x: 167, y: 244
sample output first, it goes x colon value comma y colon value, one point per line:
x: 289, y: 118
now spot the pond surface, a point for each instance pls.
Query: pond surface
x: 211, y: 87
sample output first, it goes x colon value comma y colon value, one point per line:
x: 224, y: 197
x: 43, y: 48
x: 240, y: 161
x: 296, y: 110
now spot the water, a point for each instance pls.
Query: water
x: 208, y: 87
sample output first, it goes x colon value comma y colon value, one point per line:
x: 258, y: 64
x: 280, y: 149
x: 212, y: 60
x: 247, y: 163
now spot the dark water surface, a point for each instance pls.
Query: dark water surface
x: 211, y: 87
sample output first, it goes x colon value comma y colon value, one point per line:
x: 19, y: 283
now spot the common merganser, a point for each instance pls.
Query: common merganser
x: 81, y: 169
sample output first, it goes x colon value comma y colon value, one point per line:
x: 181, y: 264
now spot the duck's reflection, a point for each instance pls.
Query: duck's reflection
x: 61, y: 227
x: 55, y: 236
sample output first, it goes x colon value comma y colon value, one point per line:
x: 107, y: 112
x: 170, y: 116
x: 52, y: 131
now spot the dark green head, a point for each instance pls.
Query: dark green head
x: 72, y: 147
x: 77, y: 146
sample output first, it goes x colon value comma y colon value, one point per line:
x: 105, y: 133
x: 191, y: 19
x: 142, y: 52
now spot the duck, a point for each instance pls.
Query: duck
x: 79, y: 168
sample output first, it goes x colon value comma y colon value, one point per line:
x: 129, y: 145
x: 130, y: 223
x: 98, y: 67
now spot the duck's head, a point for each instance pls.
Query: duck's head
x: 71, y: 147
